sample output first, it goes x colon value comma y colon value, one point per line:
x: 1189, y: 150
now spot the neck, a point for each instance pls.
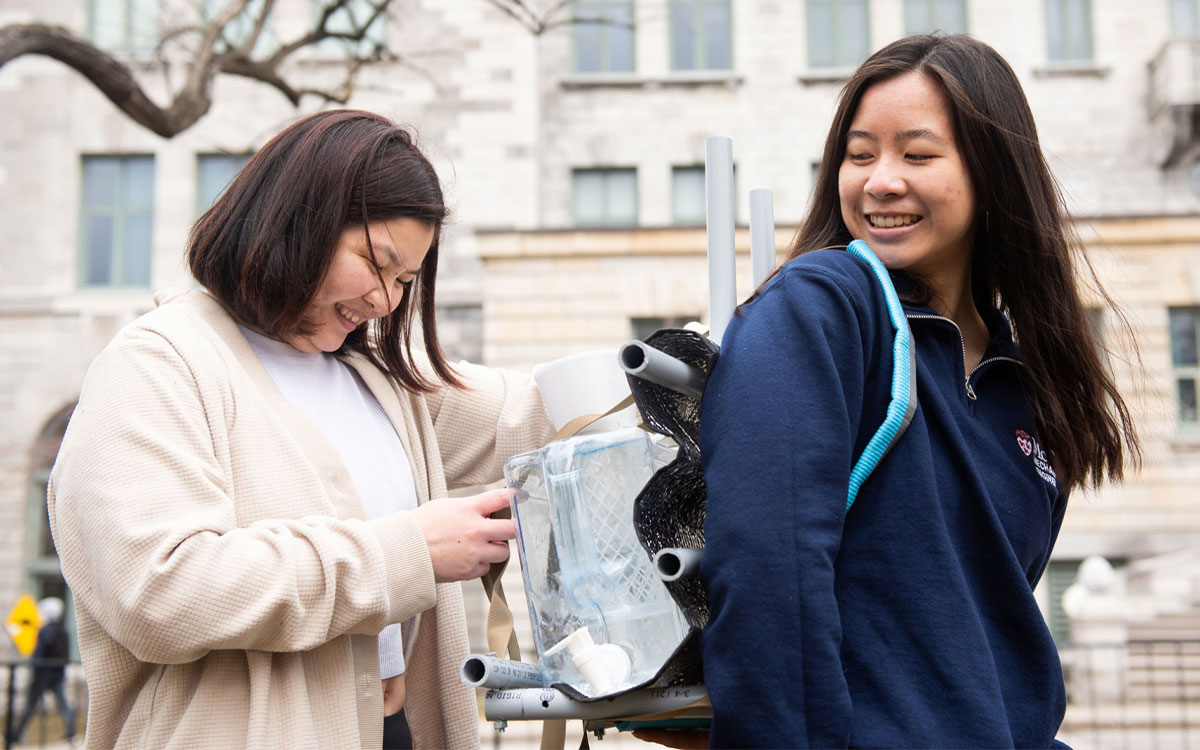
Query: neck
x: 951, y: 298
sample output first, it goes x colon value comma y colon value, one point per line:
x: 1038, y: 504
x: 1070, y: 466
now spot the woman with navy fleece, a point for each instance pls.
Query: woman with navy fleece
x: 910, y: 620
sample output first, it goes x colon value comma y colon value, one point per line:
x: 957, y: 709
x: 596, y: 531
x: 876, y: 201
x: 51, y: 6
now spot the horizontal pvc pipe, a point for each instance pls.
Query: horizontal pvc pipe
x: 673, y: 563
x: 491, y: 671
x: 549, y: 703
x: 644, y: 361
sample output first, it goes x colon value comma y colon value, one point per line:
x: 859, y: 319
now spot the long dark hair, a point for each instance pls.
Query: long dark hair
x: 264, y: 247
x: 1025, y: 251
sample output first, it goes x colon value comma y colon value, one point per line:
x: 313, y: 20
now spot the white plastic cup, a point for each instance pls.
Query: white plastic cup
x: 589, y: 382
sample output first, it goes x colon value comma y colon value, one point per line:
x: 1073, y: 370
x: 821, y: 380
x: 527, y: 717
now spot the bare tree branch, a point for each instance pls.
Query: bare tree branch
x: 536, y: 22
x: 202, y: 48
x: 112, y: 77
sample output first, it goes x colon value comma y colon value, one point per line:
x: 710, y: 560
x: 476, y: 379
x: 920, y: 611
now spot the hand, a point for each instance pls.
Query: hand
x: 393, y: 694
x: 463, y: 542
x: 688, y: 739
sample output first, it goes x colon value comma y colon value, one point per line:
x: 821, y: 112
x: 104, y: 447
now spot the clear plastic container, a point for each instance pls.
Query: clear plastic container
x: 583, y: 566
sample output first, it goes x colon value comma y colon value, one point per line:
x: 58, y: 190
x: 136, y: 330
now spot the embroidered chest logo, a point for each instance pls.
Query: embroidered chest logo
x: 1030, y: 448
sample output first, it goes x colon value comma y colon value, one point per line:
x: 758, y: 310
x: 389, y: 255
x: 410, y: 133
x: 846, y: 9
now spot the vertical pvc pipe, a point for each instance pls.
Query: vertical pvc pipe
x: 762, y: 235
x: 718, y: 192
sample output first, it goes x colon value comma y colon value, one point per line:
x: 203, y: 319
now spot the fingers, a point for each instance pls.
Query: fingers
x: 463, y: 541
x: 489, y: 502
x: 499, y: 529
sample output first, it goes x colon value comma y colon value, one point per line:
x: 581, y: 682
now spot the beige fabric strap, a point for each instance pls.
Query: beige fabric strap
x: 578, y: 423
x: 501, y: 637
x: 554, y: 734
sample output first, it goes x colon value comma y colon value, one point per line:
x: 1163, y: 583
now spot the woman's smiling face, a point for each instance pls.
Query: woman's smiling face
x: 351, y: 294
x: 903, y: 184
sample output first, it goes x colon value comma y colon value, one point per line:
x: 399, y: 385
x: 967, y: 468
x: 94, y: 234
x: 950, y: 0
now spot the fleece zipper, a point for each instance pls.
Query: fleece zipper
x: 962, y: 350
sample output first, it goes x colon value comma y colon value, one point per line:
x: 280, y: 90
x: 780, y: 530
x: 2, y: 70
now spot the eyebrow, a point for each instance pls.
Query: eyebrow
x: 394, y: 259
x: 903, y: 135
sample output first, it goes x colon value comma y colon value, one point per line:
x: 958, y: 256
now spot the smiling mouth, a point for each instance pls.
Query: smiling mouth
x: 887, y: 222
x: 348, y: 314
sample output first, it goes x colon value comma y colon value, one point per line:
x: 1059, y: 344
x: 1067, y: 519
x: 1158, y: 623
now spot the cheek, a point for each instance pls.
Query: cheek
x: 396, y: 297
x: 847, y: 193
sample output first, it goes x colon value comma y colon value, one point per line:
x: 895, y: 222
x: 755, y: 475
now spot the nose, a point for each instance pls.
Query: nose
x: 886, y: 179
x: 379, y: 301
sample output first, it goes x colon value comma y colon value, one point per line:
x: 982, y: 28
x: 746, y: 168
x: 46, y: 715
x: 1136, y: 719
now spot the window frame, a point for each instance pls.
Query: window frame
x: 703, y: 218
x: 340, y: 49
x: 1178, y: 21
x: 838, y: 62
x: 121, y: 212
x: 700, y: 62
x: 136, y: 40
x: 242, y: 25
x: 1181, y: 372
x: 608, y: 222
x: 1061, y: 9
x: 201, y: 205
x: 607, y: 27
x: 932, y: 11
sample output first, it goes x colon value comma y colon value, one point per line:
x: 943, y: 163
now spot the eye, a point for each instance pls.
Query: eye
x: 918, y: 157
x: 858, y: 158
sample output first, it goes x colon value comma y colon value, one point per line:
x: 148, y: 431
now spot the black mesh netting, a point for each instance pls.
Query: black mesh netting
x: 669, y: 511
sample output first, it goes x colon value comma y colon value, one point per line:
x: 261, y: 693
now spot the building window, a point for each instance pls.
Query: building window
x: 689, y: 202
x: 129, y: 26
x: 604, y: 197
x: 1069, y: 30
x: 214, y: 172
x: 1185, y: 341
x: 701, y: 35
x: 640, y: 328
x: 118, y: 204
x: 348, y: 19
x: 838, y: 34
x: 237, y: 32
x: 925, y: 16
x: 1184, y: 18
x: 687, y: 196
x: 603, y: 36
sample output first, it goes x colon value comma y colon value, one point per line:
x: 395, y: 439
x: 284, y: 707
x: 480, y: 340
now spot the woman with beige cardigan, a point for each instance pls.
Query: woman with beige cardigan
x: 250, y: 501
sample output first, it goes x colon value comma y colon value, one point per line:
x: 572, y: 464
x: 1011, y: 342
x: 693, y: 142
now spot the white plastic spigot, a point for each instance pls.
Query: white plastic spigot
x: 605, y: 666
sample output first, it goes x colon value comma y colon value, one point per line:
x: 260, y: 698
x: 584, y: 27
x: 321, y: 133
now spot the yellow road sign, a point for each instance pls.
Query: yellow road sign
x: 22, y: 624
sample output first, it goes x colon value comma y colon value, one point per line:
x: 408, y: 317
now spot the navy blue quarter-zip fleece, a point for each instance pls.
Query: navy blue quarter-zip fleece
x: 909, y: 621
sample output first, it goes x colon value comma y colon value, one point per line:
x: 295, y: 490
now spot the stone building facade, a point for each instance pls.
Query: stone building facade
x: 570, y: 158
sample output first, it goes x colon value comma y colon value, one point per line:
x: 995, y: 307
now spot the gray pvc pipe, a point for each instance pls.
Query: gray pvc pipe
x: 673, y: 563
x: 719, y: 219
x: 644, y: 361
x: 491, y: 671
x: 548, y: 703
x: 762, y: 236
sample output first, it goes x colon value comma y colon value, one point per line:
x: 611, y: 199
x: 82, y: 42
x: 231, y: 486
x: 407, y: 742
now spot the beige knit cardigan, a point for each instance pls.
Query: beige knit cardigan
x: 228, y: 588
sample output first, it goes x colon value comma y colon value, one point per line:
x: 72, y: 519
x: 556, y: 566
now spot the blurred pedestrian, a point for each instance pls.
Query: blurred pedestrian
x: 49, y: 668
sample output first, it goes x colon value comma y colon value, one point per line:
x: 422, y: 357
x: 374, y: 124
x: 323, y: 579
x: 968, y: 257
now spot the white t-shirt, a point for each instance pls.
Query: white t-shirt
x: 332, y: 395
